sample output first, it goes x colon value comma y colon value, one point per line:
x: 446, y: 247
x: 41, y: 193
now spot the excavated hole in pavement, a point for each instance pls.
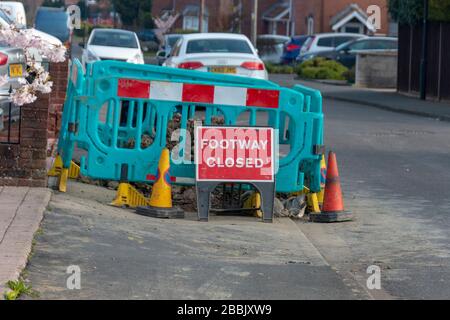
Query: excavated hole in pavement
x: 185, y: 197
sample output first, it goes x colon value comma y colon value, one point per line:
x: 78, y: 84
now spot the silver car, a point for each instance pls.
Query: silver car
x: 169, y: 41
x: 12, y: 63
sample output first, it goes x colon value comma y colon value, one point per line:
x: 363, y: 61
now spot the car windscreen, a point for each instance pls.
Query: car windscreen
x: 268, y: 46
x: 53, y: 23
x: 5, y: 17
x: 299, y: 40
x: 218, y: 46
x: 114, y: 39
x: 173, y: 40
x: 345, y: 45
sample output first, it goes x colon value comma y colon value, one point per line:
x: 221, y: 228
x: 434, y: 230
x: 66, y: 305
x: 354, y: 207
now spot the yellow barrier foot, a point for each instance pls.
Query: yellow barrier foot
x: 254, y: 202
x: 74, y: 171
x: 63, y: 180
x: 128, y: 196
x: 323, y: 178
x: 56, y: 168
x: 313, y: 203
x: 55, y: 171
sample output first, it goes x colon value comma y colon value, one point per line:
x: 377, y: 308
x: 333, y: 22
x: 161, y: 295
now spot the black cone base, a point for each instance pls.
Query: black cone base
x: 162, y: 213
x: 330, y: 217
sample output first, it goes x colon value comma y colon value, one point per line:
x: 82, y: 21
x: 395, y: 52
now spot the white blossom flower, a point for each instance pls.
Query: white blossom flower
x: 31, y: 44
x: 4, y: 80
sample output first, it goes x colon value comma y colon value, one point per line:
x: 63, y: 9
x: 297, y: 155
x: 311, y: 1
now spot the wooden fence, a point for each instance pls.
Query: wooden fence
x: 438, y: 67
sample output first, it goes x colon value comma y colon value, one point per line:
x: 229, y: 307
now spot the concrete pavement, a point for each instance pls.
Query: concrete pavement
x: 122, y: 255
x: 383, y: 99
x: 21, y: 211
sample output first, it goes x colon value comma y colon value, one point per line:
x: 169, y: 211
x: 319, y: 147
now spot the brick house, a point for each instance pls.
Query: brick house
x: 316, y: 16
x: 282, y: 17
x: 217, y: 15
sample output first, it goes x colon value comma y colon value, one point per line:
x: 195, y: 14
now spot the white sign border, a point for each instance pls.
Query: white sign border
x: 197, y: 146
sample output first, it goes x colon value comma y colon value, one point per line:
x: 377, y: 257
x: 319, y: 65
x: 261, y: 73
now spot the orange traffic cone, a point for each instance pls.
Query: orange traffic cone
x: 160, y: 204
x: 333, y: 204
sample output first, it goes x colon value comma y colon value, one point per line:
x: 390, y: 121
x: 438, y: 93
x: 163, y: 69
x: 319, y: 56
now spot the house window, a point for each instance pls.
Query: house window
x: 191, y: 14
x: 310, y: 25
x: 190, y: 23
x: 272, y: 27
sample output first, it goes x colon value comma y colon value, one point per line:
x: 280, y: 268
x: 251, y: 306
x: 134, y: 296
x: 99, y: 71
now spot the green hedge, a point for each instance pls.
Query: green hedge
x: 320, y: 68
x: 276, y: 68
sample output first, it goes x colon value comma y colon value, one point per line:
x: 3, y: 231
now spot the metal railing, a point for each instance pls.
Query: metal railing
x: 10, y: 123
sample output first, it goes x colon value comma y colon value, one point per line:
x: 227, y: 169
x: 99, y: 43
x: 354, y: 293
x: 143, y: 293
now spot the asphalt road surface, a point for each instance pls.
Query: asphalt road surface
x: 396, y: 182
x: 395, y: 176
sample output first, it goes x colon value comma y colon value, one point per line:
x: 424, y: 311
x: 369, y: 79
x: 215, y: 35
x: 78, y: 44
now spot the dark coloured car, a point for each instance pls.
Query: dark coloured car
x: 346, y: 52
x: 147, y: 35
x: 271, y: 47
x: 53, y: 21
x: 149, y: 40
x: 292, y: 49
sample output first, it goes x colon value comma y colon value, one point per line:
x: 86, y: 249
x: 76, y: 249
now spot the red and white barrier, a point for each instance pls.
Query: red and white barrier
x: 198, y: 93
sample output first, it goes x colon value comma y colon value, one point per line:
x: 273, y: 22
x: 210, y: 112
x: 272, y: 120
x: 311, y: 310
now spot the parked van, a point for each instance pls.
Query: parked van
x: 54, y: 21
x: 16, y: 12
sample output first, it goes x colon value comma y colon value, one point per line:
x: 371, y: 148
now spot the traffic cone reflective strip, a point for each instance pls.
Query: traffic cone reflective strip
x: 333, y: 205
x: 162, y: 189
x: 333, y: 201
x: 160, y: 205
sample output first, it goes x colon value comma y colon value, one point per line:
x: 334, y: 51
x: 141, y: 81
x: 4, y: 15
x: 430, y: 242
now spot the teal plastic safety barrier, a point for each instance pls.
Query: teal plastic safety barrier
x: 119, y: 116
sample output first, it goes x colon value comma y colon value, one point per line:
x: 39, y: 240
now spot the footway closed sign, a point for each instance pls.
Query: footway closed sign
x: 234, y: 154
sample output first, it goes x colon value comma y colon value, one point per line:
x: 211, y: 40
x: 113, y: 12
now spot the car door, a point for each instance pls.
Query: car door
x: 348, y: 56
x: 172, y: 60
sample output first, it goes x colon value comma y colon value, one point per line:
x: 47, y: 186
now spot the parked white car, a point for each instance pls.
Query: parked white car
x: 327, y: 41
x: 16, y: 12
x: 112, y: 44
x: 5, y: 21
x: 218, y: 53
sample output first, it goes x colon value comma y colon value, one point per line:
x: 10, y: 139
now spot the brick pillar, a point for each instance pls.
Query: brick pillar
x: 25, y: 164
x: 59, y: 73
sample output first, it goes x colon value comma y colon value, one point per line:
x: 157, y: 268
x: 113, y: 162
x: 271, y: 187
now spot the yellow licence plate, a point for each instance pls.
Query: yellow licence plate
x: 222, y: 69
x: 15, y: 70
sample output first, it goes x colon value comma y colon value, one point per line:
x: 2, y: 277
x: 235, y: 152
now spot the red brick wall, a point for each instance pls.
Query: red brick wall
x: 59, y: 73
x: 25, y: 164
x: 247, y: 10
x: 219, y: 12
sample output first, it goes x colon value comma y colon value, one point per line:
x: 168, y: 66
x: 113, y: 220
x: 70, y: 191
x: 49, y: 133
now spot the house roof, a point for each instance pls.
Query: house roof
x: 277, y: 12
x: 353, y: 11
